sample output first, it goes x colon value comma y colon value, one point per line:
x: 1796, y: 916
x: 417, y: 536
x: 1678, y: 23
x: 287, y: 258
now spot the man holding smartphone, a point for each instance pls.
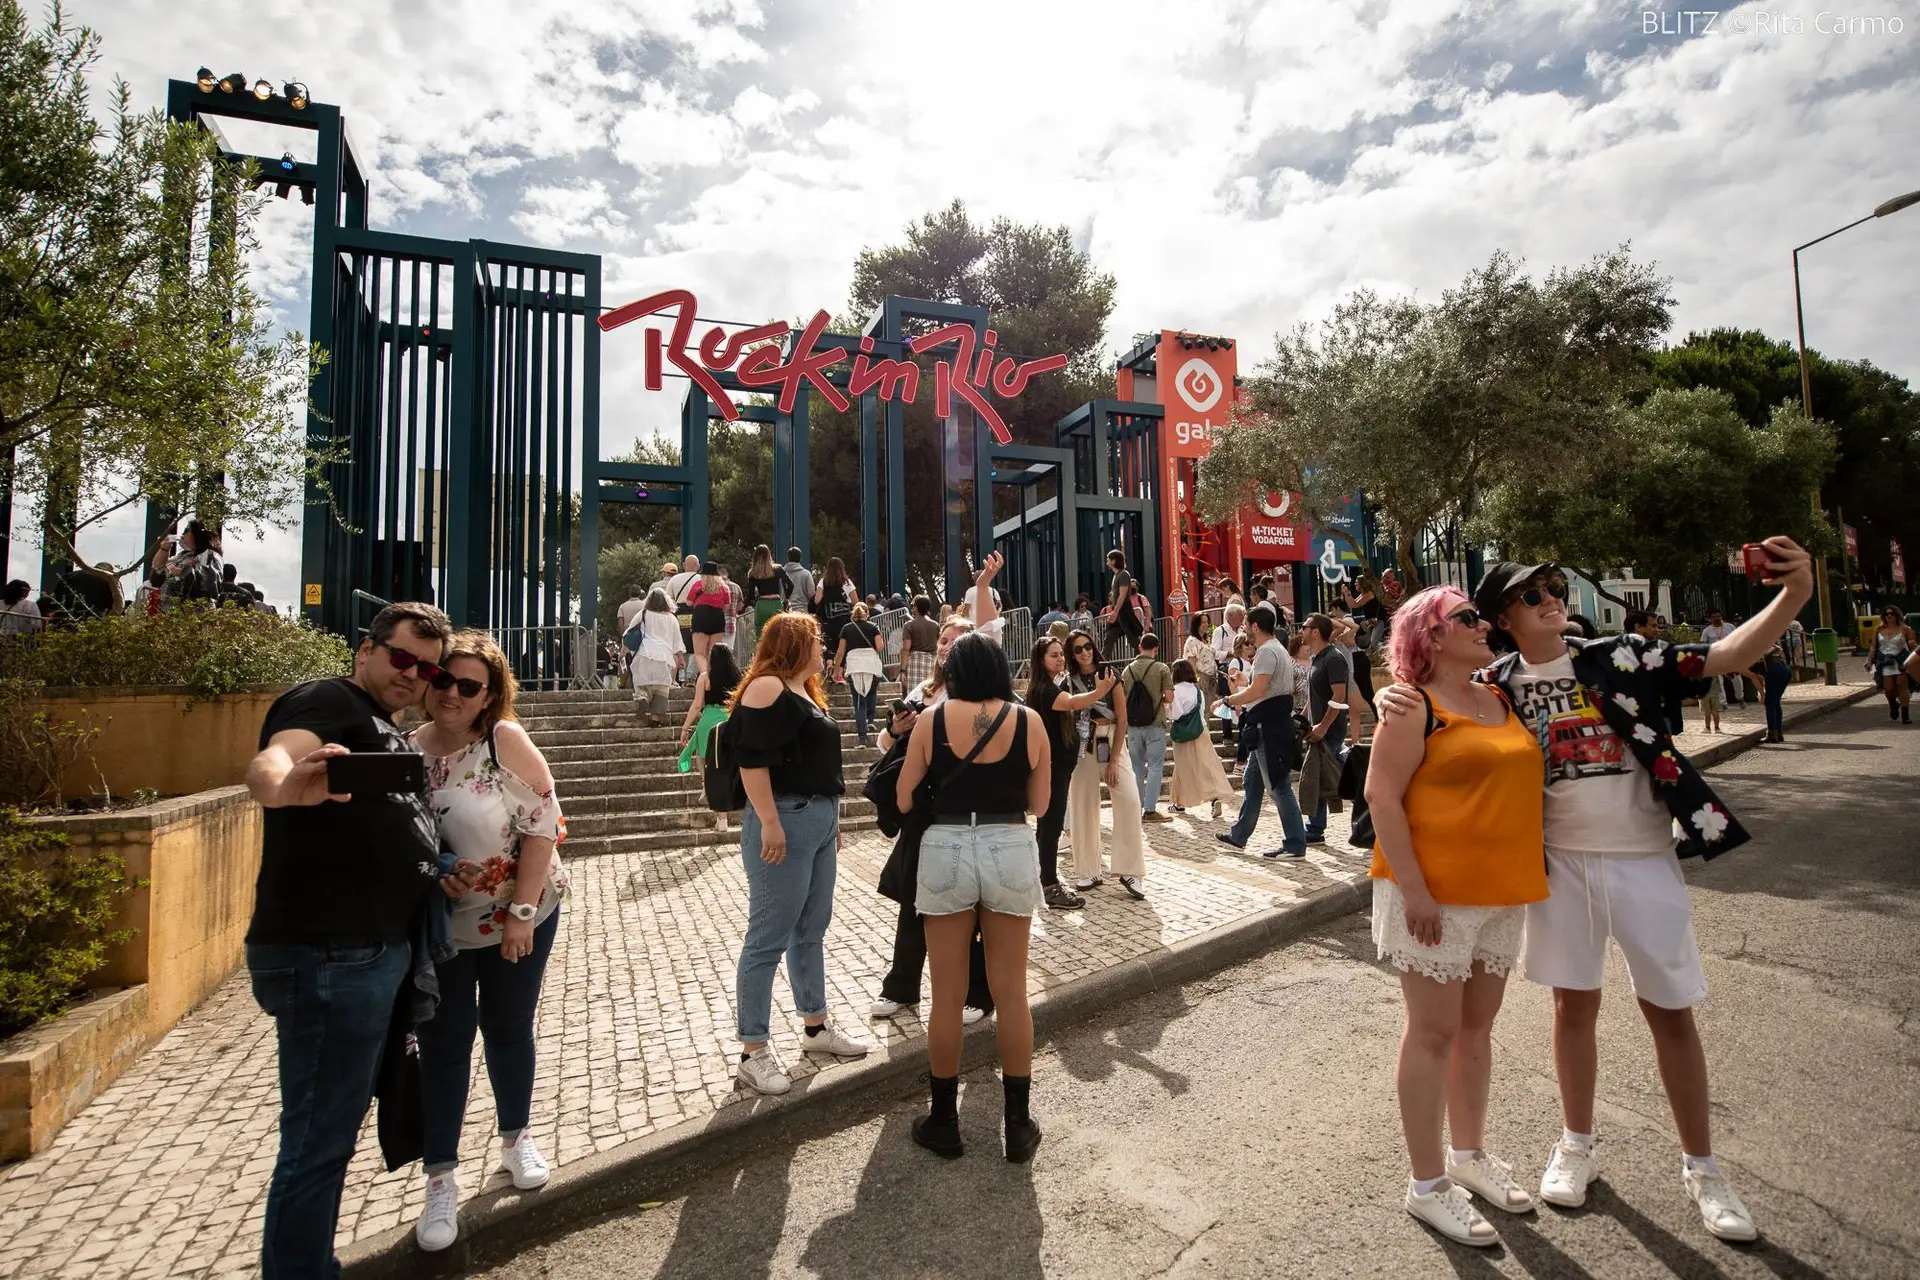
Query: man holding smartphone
x: 341, y: 876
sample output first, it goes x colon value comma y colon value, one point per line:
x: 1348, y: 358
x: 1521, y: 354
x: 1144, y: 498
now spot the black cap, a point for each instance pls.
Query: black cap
x: 1499, y: 579
x: 710, y: 568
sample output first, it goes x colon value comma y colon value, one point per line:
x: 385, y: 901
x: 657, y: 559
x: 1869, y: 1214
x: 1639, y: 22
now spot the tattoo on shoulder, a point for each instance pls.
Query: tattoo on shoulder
x: 981, y: 720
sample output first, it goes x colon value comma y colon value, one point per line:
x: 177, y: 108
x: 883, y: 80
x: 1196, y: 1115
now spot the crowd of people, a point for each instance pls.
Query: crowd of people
x: 1487, y: 853
x: 185, y: 567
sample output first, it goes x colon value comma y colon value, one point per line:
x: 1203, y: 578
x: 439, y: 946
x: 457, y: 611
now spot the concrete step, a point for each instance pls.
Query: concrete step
x: 678, y: 838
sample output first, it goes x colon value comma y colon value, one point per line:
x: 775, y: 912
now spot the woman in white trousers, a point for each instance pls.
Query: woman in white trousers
x: 1102, y: 731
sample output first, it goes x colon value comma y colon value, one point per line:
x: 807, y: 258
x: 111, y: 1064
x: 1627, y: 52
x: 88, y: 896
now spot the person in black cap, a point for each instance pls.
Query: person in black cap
x: 1616, y: 785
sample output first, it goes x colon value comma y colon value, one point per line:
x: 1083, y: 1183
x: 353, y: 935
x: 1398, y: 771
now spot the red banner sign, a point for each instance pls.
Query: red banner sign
x: 1195, y: 385
x: 1271, y: 533
x: 1851, y: 537
x: 755, y: 358
x: 1899, y: 563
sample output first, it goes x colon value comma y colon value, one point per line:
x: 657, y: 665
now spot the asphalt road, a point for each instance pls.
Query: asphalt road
x: 1245, y: 1126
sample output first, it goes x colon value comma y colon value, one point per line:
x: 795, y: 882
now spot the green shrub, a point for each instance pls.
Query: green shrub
x: 36, y: 749
x: 210, y: 651
x: 56, y: 927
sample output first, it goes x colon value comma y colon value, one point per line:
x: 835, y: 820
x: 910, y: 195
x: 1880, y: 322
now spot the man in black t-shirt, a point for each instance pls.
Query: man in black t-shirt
x: 341, y: 877
x: 1326, y: 708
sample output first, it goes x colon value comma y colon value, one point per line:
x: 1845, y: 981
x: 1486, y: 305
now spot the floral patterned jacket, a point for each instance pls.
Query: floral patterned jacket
x: 1628, y: 677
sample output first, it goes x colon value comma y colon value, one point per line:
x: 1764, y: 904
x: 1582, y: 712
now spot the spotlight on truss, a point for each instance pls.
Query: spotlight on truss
x: 262, y: 89
x: 204, y: 78
x: 295, y: 94
x: 235, y: 83
x: 286, y: 162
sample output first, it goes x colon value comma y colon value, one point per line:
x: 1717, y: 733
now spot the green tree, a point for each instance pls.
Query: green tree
x: 1425, y: 407
x: 135, y: 359
x: 1687, y: 481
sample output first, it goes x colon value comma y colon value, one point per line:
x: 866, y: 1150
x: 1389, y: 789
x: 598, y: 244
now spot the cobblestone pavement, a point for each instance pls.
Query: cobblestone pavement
x: 165, y: 1174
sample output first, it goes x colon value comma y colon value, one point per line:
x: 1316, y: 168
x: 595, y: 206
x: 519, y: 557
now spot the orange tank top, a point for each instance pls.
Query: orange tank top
x: 1475, y: 809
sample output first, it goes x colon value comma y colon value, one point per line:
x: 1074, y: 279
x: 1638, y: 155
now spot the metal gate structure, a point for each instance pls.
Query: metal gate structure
x: 463, y: 379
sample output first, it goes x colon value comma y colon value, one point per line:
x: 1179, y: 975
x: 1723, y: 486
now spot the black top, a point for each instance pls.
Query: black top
x: 758, y: 588
x: 716, y: 696
x: 1330, y: 667
x: 860, y: 635
x: 351, y: 872
x: 794, y: 740
x: 997, y: 787
x: 1043, y: 696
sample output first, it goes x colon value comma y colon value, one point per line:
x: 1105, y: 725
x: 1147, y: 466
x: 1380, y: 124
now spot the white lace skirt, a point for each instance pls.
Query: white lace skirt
x: 1490, y: 935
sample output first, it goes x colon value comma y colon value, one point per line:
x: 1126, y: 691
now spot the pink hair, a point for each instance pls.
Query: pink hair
x: 1410, y: 647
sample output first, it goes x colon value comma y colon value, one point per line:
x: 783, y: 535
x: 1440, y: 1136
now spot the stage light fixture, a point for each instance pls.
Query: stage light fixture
x: 262, y: 90
x: 235, y: 83
x: 306, y: 194
x: 1212, y: 345
x: 282, y: 189
x: 1226, y: 344
x: 204, y: 78
x: 286, y: 162
x: 296, y: 95
x: 640, y: 493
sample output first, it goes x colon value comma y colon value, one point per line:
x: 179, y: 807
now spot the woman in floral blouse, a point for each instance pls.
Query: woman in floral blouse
x: 492, y: 793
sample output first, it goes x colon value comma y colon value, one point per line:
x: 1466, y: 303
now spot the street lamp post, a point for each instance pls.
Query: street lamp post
x: 1894, y: 205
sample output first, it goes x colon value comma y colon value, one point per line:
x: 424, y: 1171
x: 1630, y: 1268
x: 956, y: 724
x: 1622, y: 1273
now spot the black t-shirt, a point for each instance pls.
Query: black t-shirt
x: 1330, y: 667
x: 346, y: 872
x: 796, y: 742
x: 776, y: 586
x: 1043, y: 695
x: 860, y: 635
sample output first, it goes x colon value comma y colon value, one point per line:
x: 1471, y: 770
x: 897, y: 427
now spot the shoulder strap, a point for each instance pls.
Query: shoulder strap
x: 940, y: 728
x: 1433, y: 721
x: 492, y: 754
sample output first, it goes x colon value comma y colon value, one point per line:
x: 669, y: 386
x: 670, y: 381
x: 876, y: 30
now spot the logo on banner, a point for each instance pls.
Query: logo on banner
x: 1276, y: 505
x: 1200, y: 386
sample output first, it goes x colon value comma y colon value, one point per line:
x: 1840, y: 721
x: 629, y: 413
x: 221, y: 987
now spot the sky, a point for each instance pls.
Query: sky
x: 1239, y: 167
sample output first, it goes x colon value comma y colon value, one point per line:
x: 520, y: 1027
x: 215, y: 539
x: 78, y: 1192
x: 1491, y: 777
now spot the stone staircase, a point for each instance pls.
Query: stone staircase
x: 622, y: 791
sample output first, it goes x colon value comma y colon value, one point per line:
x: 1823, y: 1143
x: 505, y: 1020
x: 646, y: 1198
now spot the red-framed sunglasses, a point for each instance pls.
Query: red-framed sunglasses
x: 404, y: 661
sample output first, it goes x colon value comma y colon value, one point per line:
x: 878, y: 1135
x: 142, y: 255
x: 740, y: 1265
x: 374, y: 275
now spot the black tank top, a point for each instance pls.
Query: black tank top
x: 998, y: 787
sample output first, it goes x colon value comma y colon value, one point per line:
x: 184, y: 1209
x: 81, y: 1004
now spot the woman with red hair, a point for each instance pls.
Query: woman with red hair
x: 1456, y: 805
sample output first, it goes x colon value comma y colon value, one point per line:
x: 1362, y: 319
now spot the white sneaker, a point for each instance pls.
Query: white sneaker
x: 833, y: 1040
x: 1492, y: 1180
x: 1449, y: 1210
x: 719, y: 822
x: 1091, y: 882
x: 763, y: 1073
x: 439, y: 1224
x: 1567, y: 1174
x: 884, y: 1008
x: 524, y: 1161
x: 1720, y: 1206
x: 971, y: 1014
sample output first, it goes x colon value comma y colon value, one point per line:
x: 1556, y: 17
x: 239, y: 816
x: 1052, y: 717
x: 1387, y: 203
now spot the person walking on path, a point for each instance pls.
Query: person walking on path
x: 1198, y: 653
x: 857, y: 661
x: 657, y: 656
x: 1327, y: 686
x: 1892, y: 645
x: 920, y: 637
x: 1197, y: 776
x: 341, y: 879
x: 979, y: 870
x: 833, y: 602
x: 1716, y: 630
x: 1057, y: 708
x: 788, y: 749
x: 1456, y: 808
x: 1266, y: 727
x: 711, y: 693
x: 1647, y: 627
x: 1098, y: 733
x: 1147, y: 685
x: 493, y: 796
x: 1771, y: 676
x: 712, y: 600
x: 1617, y: 787
x: 1125, y: 607
x: 630, y: 607
x: 799, y: 582
x: 680, y: 588
x: 766, y: 587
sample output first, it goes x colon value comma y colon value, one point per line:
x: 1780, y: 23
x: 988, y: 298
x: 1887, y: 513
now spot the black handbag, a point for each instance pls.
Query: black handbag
x: 900, y: 875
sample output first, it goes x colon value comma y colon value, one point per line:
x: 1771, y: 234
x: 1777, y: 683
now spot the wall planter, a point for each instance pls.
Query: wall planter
x: 159, y: 737
x: 50, y: 1072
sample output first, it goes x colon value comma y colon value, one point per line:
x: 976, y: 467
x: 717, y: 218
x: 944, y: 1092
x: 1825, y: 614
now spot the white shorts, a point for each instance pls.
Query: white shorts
x: 1490, y: 935
x: 1640, y: 901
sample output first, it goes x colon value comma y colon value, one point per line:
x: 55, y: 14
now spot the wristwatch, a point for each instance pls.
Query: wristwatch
x: 523, y: 910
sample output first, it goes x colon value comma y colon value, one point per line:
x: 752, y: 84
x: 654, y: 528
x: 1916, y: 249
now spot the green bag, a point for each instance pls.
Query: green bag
x: 1191, y: 725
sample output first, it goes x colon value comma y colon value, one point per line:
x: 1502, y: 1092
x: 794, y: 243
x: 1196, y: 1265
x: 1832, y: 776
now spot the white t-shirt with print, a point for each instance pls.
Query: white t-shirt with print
x: 1599, y: 798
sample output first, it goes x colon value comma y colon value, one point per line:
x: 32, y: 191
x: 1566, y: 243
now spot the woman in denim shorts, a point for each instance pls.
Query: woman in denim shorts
x: 990, y: 763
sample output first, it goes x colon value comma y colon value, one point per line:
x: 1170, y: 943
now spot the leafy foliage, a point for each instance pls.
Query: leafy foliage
x: 1427, y: 406
x: 61, y: 903
x: 135, y: 359
x: 1688, y: 481
x: 210, y: 651
x: 35, y: 748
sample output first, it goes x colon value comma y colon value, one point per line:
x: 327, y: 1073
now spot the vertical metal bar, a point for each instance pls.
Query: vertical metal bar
x: 410, y: 537
x: 563, y: 542
x: 432, y: 506
x: 895, y: 423
x: 802, y: 491
x: 366, y: 460
x: 590, y: 451
x: 534, y: 501
x: 869, y: 473
x: 782, y: 484
x: 556, y: 496
x: 391, y: 573
x: 464, y: 444
x: 318, y: 527
x: 950, y: 506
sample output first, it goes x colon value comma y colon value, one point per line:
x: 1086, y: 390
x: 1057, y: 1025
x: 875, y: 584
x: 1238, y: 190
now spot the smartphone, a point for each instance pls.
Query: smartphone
x: 901, y: 706
x: 1754, y: 557
x: 1102, y: 751
x: 369, y: 773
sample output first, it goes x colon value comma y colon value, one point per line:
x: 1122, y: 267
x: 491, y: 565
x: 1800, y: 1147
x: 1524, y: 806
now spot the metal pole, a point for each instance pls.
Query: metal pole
x: 1830, y: 670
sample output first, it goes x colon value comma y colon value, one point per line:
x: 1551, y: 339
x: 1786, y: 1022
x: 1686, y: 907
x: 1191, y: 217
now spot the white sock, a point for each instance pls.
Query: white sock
x: 1584, y: 1141
x: 1700, y: 1164
x: 1425, y: 1186
x: 1458, y: 1156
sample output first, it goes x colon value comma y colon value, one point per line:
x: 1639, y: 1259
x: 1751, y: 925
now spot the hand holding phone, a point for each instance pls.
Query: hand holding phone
x: 373, y: 773
x: 1755, y: 560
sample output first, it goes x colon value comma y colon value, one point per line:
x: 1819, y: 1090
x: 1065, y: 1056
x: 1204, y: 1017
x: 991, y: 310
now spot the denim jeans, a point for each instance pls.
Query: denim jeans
x: 331, y: 1006
x: 1147, y: 747
x: 1256, y: 784
x: 788, y: 907
x: 507, y: 994
x: 1317, y: 824
x: 863, y: 707
x: 1779, y: 676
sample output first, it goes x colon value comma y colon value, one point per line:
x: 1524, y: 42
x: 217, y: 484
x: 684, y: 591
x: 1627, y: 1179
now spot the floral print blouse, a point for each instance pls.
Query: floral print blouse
x: 1628, y: 678
x: 483, y: 809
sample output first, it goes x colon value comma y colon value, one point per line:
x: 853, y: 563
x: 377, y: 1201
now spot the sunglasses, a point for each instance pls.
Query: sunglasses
x: 1534, y: 597
x: 445, y: 680
x: 1466, y: 617
x: 420, y: 667
x: 1082, y: 648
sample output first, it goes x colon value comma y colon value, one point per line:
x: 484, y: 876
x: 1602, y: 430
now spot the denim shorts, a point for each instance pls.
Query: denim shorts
x: 996, y: 866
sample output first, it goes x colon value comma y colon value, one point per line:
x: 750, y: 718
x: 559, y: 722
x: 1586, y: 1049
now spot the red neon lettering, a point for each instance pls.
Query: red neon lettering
x: 892, y: 377
x: 805, y: 364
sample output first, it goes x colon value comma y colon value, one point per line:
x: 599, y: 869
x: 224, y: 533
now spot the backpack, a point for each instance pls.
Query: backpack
x: 1189, y: 726
x: 197, y: 580
x: 835, y: 610
x: 1142, y: 706
x: 726, y: 793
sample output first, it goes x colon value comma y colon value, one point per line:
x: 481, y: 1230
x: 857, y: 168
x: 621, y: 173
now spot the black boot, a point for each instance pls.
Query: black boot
x: 1023, y: 1135
x: 1906, y: 713
x: 939, y: 1130
x: 1893, y: 707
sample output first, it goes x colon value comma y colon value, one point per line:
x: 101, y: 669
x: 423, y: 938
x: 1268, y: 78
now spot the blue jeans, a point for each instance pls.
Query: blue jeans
x: 863, y: 707
x: 788, y: 907
x: 507, y: 994
x: 1256, y: 785
x: 1147, y: 745
x: 331, y: 1006
x: 1317, y: 824
x: 1779, y: 676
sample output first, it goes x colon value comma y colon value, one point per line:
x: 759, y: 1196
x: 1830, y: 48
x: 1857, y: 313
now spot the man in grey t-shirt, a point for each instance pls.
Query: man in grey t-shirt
x: 799, y: 582
x: 1267, y: 699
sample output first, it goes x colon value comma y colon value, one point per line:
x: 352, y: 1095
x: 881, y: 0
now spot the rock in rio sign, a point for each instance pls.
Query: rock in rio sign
x: 756, y: 359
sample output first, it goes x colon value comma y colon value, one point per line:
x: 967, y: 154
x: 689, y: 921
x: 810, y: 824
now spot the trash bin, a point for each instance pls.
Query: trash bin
x: 1868, y: 629
x: 1826, y: 645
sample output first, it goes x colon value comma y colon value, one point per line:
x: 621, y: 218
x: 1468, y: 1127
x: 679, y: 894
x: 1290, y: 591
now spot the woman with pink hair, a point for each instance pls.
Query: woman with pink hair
x: 1456, y: 807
